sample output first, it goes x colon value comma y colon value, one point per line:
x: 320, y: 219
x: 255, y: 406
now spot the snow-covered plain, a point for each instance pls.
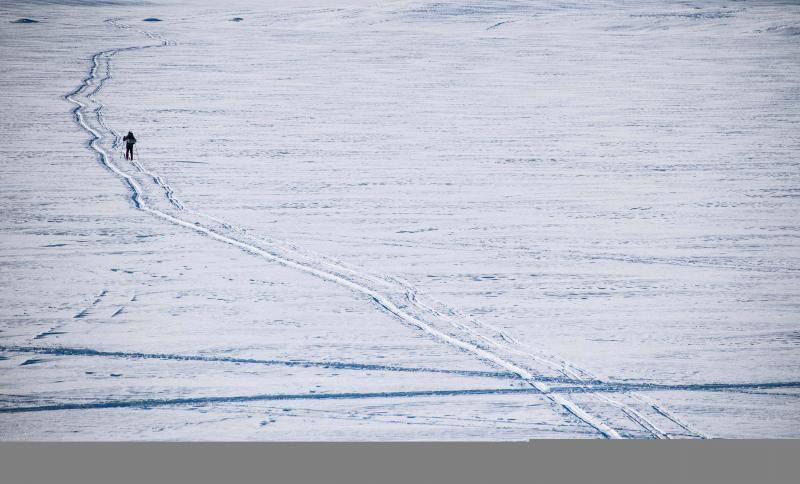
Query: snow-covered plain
x: 400, y: 220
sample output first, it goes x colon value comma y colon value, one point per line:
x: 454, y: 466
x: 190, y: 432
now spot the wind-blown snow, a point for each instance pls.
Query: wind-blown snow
x: 399, y: 221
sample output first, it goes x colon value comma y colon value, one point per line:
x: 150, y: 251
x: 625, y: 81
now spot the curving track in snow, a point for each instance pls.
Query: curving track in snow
x: 153, y: 195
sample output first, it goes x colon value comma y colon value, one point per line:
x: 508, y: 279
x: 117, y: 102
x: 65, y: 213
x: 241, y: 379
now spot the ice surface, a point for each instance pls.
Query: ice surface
x: 400, y: 220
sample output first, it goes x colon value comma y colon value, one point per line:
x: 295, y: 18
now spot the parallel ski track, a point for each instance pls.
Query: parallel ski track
x: 503, y: 341
x: 325, y: 268
x: 338, y: 365
x: 201, y: 400
x: 161, y: 402
x: 570, y: 370
x: 563, y: 385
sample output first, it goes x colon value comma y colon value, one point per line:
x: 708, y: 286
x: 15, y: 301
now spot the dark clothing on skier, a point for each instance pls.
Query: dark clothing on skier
x: 129, y: 140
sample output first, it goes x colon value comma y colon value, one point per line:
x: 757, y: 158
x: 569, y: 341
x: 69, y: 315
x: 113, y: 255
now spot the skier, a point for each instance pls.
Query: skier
x: 129, y: 140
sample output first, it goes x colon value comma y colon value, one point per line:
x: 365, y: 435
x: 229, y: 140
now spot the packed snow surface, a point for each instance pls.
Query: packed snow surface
x: 399, y: 220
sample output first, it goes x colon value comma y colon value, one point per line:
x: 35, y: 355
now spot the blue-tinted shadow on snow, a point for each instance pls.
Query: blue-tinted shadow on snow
x: 51, y: 332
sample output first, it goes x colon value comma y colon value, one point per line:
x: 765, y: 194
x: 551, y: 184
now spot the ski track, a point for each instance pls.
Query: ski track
x: 339, y: 365
x: 500, y: 340
x: 469, y: 336
x: 55, y: 330
x: 569, y: 370
x: 161, y: 402
x: 566, y: 385
x: 498, y: 24
x: 205, y: 400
